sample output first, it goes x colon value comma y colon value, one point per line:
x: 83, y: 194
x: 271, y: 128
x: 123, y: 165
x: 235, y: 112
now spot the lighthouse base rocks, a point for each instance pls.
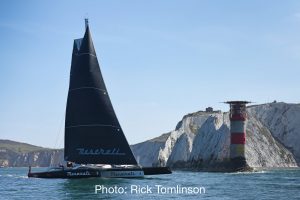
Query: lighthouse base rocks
x: 233, y: 165
x: 230, y: 165
x: 238, y: 164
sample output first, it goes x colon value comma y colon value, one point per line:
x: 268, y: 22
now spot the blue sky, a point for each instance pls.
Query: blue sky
x: 160, y: 60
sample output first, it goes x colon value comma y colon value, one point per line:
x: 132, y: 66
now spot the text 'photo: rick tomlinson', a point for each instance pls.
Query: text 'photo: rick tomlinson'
x: 155, y: 189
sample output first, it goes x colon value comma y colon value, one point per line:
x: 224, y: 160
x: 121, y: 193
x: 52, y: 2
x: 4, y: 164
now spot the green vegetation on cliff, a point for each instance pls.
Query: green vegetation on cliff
x: 18, y: 147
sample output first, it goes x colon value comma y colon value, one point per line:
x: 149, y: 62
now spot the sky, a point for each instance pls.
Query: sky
x: 160, y: 60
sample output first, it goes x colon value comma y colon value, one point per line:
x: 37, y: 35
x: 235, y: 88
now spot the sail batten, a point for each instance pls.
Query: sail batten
x: 82, y: 54
x: 82, y: 125
x: 92, y: 131
x: 82, y: 88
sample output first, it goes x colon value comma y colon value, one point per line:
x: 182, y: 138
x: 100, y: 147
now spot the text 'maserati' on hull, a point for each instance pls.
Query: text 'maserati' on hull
x: 95, y: 145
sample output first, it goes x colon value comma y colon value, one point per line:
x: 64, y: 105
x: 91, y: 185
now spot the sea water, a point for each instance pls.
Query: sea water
x: 264, y: 184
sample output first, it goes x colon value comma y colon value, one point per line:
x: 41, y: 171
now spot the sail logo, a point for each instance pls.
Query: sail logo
x: 100, y: 151
x: 86, y: 173
x: 122, y: 174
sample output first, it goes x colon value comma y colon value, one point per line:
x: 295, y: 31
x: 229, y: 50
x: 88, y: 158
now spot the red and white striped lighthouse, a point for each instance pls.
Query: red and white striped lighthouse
x: 238, y: 119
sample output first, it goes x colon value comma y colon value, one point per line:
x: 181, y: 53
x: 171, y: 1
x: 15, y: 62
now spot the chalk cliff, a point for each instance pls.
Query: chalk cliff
x: 201, y: 140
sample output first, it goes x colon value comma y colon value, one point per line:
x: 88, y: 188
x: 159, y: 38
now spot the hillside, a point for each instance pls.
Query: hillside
x: 17, y: 154
x: 18, y: 147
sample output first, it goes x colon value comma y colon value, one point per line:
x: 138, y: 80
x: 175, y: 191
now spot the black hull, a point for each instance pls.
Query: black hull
x: 156, y: 170
x: 71, y: 173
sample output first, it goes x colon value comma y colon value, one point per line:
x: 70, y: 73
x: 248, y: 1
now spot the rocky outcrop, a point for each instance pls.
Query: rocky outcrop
x: 201, y: 140
x: 7, y: 157
x: 40, y: 158
x: 283, y: 121
x: 149, y: 150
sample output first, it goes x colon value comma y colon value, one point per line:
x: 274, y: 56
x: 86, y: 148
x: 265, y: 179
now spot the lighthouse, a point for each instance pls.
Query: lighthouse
x: 238, y: 120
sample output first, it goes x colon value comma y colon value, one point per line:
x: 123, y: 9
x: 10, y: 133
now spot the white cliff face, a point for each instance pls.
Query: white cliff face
x: 180, y: 144
x: 182, y: 149
x: 43, y: 158
x: 165, y: 152
x: 204, y: 138
x: 147, y: 153
x: 157, y: 151
x: 262, y: 150
x: 212, y: 141
x: 283, y: 121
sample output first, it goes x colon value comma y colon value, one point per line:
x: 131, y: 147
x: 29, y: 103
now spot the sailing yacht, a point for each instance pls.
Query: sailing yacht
x: 95, y: 145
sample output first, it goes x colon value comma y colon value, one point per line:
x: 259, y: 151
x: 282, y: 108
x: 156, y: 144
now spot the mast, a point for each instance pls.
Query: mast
x: 86, y: 22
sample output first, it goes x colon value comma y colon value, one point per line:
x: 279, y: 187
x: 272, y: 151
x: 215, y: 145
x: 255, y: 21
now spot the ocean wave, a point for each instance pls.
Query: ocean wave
x: 13, y: 176
x: 249, y: 172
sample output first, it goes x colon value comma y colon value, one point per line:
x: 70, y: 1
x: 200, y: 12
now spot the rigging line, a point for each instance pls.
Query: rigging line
x: 59, y: 144
x: 59, y: 132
